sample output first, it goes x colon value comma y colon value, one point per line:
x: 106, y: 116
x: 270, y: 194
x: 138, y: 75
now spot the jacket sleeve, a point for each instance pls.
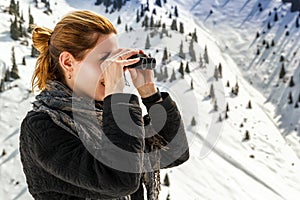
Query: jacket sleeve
x: 165, y: 119
x: 65, y: 157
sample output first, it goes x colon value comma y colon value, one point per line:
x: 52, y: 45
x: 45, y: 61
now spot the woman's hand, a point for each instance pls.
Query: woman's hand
x: 113, y: 72
x: 143, y: 80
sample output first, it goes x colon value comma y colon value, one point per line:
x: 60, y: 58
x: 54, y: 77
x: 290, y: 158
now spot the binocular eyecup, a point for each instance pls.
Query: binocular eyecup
x: 144, y: 62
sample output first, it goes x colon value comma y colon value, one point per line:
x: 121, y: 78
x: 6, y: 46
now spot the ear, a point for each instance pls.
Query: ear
x: 66, y: 61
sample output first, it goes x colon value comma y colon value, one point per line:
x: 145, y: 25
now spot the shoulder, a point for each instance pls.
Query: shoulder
x: 39, y: 128
x: 36, y: 120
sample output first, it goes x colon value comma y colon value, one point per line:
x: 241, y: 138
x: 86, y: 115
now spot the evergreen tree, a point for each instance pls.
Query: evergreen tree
x: 181, y: 70
x: 201, y: 64
x: 194, y: 36
x: 187, y: 67
x: 226, y: 115
x: 181, y: 28
x: 212, y: 92
x: 34, y: 52
x: 282, y: 71
x: 275, y: 17
x: 147, y: 46
x: 192, y: 84
x: 235, y: 89
x: 227, y: 84
x: 176, y: 11
x: 137, y: 16
x: 12, y: 8
x: 299, y: 98
x: 14, y: 71
x: 281, y: 58
x: 1, y: 85
x: 290, y: 98
x: 227, y: 107
x: 173, y: 76
x: 297, y: 22
x: 272, y: 43
x: 257, y: 52
x: 106, y: 3
x: 31, y: 21
x: 35, y: 3
x: 166, y: 180
x: 119, y: 20
x: 216, y: 73
x: 296, y: 105
x: 145, y: 22
x: 192, y: 51
x: 168, y: 197
x: 249, y: 105
x: 119, y: 4
x: 154, y: 11
x: 205, y: 56
x: 166, y: 75
x: 246, y: 137
x: 220, y: 70
x: 220, y: 118
x: 287, y: 33
x: 193, y: 122
x: 257, y: 34
x: 142, y: 10
x: 291, y: 84
x: 269, y: 25
x: 158, y: 24
x: 151, y: 22
x: 181, y: 54
x: 165, y: 55
x: 22, y: 17
x: 23, y: 61
x: 14, y: 29
x: 215, y: 105
x: 98, y: 2
x: 147, y: 6
x: 267, y: 45
x: 7, y: 75
x: 158, y: 3
x: 165, y: 1
x: 174, y: 25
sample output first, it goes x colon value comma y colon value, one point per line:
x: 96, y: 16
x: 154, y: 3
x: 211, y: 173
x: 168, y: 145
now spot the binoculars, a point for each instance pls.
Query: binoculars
x: 144, y: 62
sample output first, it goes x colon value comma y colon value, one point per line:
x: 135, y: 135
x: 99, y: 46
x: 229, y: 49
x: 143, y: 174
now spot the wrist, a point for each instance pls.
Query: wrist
x: 147, y: 90
x: 112, y: 90
x: 154, y: 98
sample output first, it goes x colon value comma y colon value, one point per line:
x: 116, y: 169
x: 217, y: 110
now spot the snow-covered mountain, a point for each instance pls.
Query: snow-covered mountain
x: 255, y: 152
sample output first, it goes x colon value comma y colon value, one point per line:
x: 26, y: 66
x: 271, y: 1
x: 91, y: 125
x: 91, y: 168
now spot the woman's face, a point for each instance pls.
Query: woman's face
x: 87, y: 74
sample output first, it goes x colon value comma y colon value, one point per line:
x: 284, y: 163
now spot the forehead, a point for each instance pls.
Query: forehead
x: 106, y: 43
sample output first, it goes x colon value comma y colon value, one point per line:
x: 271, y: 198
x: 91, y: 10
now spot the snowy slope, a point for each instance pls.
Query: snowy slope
x: 234, y: 24
x: 265, y: 167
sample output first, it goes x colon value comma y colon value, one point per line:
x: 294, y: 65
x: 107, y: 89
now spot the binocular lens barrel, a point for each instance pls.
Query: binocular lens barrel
x: 144, y: 62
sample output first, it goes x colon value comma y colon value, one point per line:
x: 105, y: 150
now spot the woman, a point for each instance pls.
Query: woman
x: 79, y: 141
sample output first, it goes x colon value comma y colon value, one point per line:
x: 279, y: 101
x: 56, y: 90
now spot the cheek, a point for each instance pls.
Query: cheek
x: 87, y: 79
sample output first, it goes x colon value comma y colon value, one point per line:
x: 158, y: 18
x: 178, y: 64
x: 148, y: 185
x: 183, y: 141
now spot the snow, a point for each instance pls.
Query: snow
x: 222, y: 165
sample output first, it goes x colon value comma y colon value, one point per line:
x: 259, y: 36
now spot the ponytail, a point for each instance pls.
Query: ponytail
x: 41, y: 40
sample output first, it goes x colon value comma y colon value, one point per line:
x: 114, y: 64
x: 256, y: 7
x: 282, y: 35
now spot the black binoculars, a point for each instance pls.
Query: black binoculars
x: 144, y: 62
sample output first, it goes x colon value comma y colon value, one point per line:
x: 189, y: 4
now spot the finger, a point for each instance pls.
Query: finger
x: 128, y: 62
x: 128, y: 54
x: 133, y: 73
